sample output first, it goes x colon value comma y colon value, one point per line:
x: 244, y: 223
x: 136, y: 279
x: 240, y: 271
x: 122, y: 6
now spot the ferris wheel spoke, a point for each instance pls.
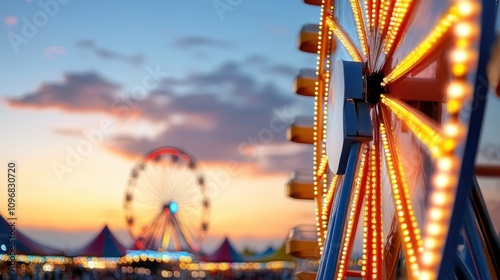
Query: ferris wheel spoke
x: 148, y: 201
x: 160, y: 231
x: 167, y: 234
x: 186, y: 233
x: 145, y: 192
x: 373, y: 211
x: 148, y: 232
x: 176, y: 239
x: 354, y: 214
x: 145, y: 215
x: 344, y: 39
x: 168, y: 170
x: 147, y: 185
x: 385, y: 12
x: 155, y: 184
x: 150, y: 174
x: 420, y: 125
x: 438, y: 36
x: 178, y: 179
x: 192, y: 216
x: 360, y: 27
x: 186, y: 192
x: 399, y: 19
x: 408, y: 225
x: 328, y: 201
x: 160, y: 171
x: 187, y: 195
x: 175, y: 167
x: 146, y: 212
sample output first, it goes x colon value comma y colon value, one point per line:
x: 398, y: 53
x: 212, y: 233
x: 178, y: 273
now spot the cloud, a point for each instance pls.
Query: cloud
x: 86, y: 92
x: 54, y: 50
x: 134, y: 60
x: 222, y: 115
x: 263, y: 64
x: 10, y: 20
x: 256, y: 59
x: 198, y: 41
x: 282, y: 70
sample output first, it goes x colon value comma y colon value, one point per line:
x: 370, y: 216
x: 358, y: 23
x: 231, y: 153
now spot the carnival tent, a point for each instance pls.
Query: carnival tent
x: 266, y: 253
x: 23, y: 244
x: 247, y: 252
x: 225, y: 253
x: 104, y: 245
x: 278, y: 255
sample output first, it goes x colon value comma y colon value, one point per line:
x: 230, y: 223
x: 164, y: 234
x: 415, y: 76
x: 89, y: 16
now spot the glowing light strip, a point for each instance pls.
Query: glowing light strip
x: 344, y: 39
x: 368, y: 223
x: 327, y: 203
x: 324, y: 36
x: 166, y: 235
x: 368, y: 7
x: 186, y: 234
x: 385, y: 5
x: 376, y: 204
x: 444, y: 181
x: 360, y: 186
x: 430, y: 43
x: 323, y: 166
x: 360, y: 26
x: 374, y: 9
x: 424, y: 130
x: 407, y: 222
x: 398, y: 17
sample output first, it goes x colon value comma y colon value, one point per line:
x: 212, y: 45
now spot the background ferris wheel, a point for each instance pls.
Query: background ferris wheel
x: 166, y: 206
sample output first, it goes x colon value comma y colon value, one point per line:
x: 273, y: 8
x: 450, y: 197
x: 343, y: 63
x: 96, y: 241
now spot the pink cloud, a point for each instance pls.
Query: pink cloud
x: 10, y: 20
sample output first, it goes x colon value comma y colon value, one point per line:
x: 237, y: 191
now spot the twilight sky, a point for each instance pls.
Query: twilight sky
x: 138, y: 76
x: 165, y: 73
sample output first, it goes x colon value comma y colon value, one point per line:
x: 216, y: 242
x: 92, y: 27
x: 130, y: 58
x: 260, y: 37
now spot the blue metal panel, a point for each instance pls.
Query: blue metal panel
x: 338, y: 219
x: 350, y: 120
x: 353, y: 79
x: 478, y: 260
x: 364, y: 125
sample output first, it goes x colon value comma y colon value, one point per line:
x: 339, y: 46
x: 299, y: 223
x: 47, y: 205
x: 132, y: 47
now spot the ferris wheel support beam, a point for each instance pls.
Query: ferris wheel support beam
x: 461, y: 270
x: 472, y: 239
x: 486, y: 228
x: 338, y: 218
x: 472, y: 140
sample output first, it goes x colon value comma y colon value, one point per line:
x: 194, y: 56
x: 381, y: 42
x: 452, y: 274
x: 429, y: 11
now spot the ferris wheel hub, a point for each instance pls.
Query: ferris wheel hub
x: 348, y: 112
x: 172, y: 206
x: 373, y: 88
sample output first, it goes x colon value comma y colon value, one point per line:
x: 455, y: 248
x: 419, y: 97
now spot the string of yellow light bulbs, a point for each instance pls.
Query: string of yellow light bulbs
x: 463, y: 58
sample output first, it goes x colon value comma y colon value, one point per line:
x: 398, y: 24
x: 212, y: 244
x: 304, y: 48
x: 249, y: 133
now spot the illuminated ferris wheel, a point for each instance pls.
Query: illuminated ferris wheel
x: 166, y: 206
x: 400, y: 92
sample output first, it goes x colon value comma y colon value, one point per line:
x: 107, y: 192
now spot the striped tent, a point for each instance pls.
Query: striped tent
x: 24, y: 245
